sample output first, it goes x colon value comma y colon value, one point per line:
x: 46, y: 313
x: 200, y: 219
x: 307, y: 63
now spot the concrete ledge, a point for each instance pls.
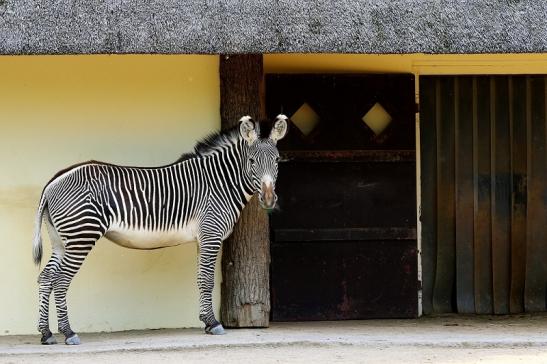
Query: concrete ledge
x: 441, y: 332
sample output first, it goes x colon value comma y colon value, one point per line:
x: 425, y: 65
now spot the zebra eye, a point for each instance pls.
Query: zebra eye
x: 252, y: 161
x: 277, y: 159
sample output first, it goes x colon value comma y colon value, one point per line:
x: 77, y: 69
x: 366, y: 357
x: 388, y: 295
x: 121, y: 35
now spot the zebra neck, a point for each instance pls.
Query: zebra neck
x: 240, y: 155
x: 228, y: 175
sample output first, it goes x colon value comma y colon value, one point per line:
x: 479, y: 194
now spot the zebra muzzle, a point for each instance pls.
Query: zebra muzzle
x: 268, y: 198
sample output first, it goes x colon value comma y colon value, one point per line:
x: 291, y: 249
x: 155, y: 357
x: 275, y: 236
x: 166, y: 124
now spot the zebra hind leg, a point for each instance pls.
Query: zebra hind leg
x: 44, y: 291
x: 75, y: 253
x: 45, y: 284
x: 208, y: 251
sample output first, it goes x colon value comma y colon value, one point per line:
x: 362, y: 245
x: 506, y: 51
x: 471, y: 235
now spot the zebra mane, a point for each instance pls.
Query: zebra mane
x: 212, y: 143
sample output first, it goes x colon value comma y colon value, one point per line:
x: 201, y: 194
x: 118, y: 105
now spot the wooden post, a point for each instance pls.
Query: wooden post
x: 245, y: 298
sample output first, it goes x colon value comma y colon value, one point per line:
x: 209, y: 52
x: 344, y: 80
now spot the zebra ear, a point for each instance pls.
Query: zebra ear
x: 247, y: 129
x: 279, y: 129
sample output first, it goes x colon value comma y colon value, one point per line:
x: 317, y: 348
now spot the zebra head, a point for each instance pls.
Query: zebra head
x: 263, y: 157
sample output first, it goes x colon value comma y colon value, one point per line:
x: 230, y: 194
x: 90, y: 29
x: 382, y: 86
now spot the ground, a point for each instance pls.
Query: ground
x: 450, y: 339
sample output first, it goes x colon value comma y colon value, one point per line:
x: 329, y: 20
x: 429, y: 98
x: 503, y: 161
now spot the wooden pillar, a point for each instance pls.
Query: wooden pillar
x: 245, y: 298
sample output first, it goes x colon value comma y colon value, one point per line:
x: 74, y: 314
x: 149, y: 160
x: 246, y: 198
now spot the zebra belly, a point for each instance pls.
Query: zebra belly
x: 149, y: 239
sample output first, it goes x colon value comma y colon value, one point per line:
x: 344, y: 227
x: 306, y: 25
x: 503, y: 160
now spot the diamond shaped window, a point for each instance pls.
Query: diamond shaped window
x: 305, y: 119
x: 377, y: 118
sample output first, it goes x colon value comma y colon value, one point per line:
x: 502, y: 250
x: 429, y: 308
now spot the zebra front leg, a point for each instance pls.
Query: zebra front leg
x: 45, y: 286
x: 72, y: 260
x: 208, y: 251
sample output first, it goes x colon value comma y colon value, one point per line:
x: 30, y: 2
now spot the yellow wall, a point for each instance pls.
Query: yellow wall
x: 137, y: 110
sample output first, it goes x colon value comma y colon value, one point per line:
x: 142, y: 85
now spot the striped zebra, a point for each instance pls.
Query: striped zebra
x: 198, y: 198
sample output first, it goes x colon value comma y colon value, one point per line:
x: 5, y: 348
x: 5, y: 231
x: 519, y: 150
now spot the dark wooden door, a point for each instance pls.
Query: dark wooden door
x: 344, y: 239
x: 484, y: 193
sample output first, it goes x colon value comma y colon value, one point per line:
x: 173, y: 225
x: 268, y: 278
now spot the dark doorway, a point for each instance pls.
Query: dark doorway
x: 344, y: 242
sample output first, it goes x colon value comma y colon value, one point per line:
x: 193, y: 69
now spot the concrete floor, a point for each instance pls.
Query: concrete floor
x: 449, y: 339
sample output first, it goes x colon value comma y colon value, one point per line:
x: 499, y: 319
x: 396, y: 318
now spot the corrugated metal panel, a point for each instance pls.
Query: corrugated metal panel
x: 484, y: 193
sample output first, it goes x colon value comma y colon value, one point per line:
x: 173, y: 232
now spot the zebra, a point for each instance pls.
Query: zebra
x: 197, y: 198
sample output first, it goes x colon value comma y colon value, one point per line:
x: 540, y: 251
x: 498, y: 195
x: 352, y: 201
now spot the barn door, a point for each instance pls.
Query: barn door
x: 344, y: 240
x: 484, y: 193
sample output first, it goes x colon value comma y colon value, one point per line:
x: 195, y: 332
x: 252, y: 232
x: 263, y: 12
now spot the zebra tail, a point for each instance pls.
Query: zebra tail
x: 37, y: 244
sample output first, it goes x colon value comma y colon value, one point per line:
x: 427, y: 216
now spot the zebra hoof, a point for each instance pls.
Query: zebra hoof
x: 49, y: 340
x: 73, y: 340
x: 217, y: 330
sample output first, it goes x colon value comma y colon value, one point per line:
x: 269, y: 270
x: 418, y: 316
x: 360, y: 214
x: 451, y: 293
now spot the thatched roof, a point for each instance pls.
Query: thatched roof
x: 268, y: 26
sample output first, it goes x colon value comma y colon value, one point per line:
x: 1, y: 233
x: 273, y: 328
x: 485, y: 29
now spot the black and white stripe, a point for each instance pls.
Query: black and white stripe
x: 198, y: 198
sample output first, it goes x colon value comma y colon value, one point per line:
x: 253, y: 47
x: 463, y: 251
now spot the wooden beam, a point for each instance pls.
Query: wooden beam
x: 482, y: 231
x: 245, y: 298
x: 443, y: 290
x: 465, y: 295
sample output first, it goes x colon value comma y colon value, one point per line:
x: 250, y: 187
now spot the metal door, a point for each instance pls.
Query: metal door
x: 344, y: 240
